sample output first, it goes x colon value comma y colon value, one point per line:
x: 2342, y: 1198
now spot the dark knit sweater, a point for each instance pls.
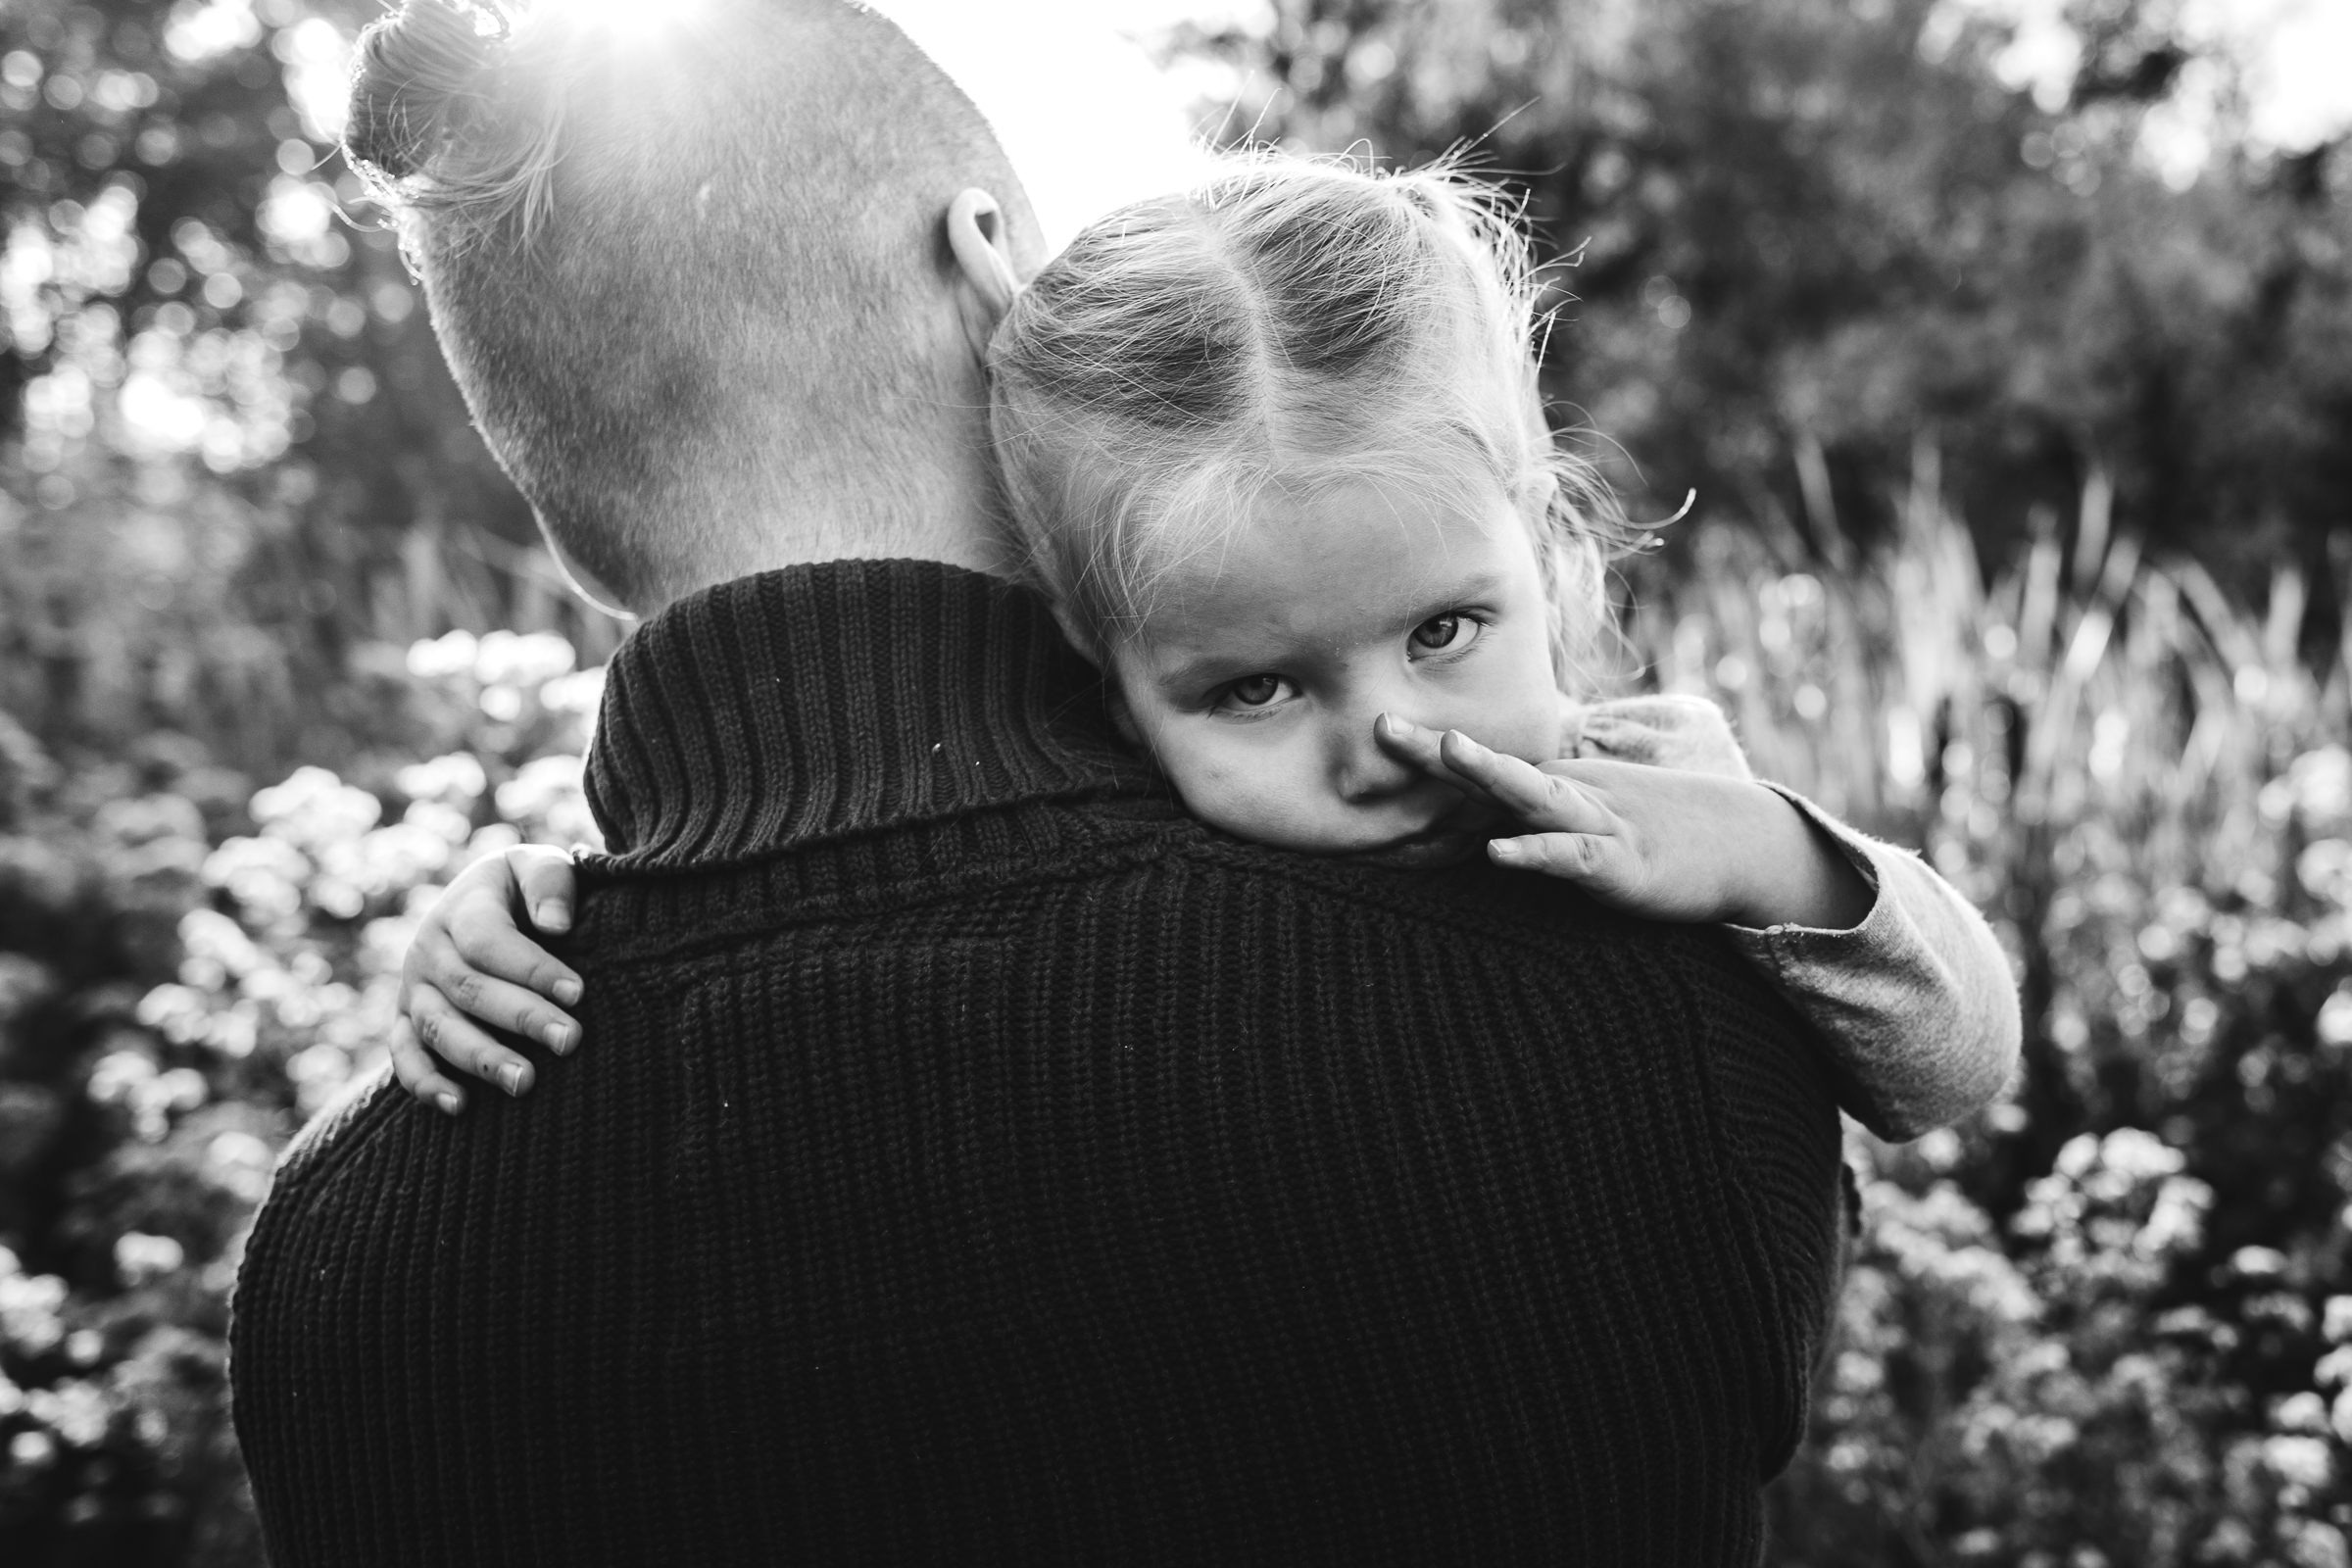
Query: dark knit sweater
x: 972, y: 1159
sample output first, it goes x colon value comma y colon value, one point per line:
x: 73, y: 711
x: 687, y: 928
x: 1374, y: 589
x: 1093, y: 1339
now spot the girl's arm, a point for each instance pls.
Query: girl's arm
x: 1899, y: 976
x: 1916, y: 1002
x: 1894, y: 969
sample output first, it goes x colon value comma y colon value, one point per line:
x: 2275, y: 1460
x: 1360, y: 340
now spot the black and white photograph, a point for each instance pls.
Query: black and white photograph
x: 1131, y: 782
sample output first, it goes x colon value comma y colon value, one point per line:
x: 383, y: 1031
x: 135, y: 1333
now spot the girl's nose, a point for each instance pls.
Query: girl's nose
x: 1361, y: 771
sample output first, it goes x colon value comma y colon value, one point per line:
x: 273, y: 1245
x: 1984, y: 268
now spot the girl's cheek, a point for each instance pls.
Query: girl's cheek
x: 1518, y: 717
x: 1256, y: 796
x: 1206, y: 780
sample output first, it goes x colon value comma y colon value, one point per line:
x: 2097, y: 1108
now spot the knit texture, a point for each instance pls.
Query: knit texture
x: 972, y: 1159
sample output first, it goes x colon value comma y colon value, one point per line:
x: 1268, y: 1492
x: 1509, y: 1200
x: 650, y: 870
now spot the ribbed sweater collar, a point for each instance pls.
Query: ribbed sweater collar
x: 821, y: 701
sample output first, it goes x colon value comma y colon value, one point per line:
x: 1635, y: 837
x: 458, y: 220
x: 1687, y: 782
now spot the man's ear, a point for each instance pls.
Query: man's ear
x: 976, y: 235
x: 584, y: 582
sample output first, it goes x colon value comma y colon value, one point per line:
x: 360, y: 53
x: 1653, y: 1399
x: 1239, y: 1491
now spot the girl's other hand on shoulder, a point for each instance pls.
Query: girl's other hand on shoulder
x: 471, y: 969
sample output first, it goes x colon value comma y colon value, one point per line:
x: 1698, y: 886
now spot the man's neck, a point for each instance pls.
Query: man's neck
x: 836, y: 699
x: 811, y: 534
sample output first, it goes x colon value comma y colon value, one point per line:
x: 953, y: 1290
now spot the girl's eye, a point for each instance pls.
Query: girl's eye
x: 1254, y: 690
x: 1438, y: 633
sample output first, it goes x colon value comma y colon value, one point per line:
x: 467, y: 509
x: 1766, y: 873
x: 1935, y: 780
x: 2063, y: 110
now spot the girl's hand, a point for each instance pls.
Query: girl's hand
x: 1657, y: 842
x: 471, y: 965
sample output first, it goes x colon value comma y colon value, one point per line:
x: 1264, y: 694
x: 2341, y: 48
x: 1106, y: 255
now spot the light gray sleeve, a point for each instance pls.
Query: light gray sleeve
x: 1917, y: 1004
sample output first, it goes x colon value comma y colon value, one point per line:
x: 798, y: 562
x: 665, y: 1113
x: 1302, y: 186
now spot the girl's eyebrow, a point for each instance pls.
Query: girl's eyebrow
x: 1484, y: 587
x: 1203, y: 671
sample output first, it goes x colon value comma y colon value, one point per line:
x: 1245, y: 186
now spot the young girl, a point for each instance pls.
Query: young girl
x: 1276, y: 454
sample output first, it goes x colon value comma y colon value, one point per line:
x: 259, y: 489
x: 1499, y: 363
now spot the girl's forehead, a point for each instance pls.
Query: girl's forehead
x: 1316, y: 562
x: 1364, y: 524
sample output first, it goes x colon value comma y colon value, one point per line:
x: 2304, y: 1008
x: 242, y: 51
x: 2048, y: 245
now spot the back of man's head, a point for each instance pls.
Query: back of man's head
x: 686, y: 260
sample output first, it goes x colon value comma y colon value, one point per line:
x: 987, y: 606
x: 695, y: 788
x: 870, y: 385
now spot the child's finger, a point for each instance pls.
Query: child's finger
x: 448, y: 1035
x: 496, y: 1002
x: 543, y: 877
x: 413, y: 1066
x: 1571, y: 856
x: 1417, y: 747
x: 485, y: 939
x: 1519, y: 787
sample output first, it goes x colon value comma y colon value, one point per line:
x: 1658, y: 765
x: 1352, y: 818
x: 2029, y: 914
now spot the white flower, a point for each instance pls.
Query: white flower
x: 2310, y: 1543
x: 2301, y: 1412
x: 530, y: 659
x: 140, y: 1258
x: 538, y: 787
x: 2322, y: 782
x: 582, y: 693
x: 2139, y: 1155
x: 2299, y: 1460
x: 2078, y: 1154
x: 2339, y: 1415
x: 74, y: 1410
x: 2338, y: 1319
x: 455, y: 779
x: 29, y: 1311
x: 118, y: 1074
x: 2335, y: 1018
x: 2258, y: 1262
x: 210, y: 935
x: 2176, y: 1221
x: 438, y: 657
x: 314, y: 809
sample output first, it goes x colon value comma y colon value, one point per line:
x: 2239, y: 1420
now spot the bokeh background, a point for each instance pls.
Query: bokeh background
x: 2006, y: 345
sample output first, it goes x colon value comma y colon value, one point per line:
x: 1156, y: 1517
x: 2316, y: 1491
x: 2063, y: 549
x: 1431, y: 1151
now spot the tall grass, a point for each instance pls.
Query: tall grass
x: 2093, y: 1325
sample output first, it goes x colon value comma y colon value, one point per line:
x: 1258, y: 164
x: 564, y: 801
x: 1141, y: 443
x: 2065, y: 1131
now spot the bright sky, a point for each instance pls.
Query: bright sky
x: 1090, y: 123
x: 2296, y: 56
x: 1086, y: 116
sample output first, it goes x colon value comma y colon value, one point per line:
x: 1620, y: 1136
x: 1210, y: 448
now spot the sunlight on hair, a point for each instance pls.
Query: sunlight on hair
x: 627, y: 19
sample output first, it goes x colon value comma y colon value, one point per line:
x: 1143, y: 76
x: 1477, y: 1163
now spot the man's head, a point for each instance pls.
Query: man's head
x: 692, y: 265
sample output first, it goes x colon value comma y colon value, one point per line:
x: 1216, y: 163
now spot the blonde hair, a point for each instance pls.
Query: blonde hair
x: 1289, y: 323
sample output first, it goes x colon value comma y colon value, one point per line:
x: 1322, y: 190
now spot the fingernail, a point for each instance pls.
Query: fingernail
x: 567, y: 992
x: 560, y: 1037
x: 512, y: 1078
x: 449, y: 1103
x: 551, y: 916
x: 1506, y: 850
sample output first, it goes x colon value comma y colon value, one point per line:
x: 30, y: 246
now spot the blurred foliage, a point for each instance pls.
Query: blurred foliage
x: 1799, y: 231
x: 1996, y: 436
x: 1994, y: 433
x: 188, y: 968
x: 229, y: 447
x: 2108, y: 1315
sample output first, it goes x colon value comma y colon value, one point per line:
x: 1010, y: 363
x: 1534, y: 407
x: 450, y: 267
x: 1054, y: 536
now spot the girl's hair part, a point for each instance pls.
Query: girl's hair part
x: 1290, y: 323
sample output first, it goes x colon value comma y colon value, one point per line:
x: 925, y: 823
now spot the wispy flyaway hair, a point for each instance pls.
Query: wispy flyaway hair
x: 1289, y: 323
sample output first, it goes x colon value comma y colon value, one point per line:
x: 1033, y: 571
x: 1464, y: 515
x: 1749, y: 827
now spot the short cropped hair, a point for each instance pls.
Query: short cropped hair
x: 1290, y: 323
x: 686, y: 260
